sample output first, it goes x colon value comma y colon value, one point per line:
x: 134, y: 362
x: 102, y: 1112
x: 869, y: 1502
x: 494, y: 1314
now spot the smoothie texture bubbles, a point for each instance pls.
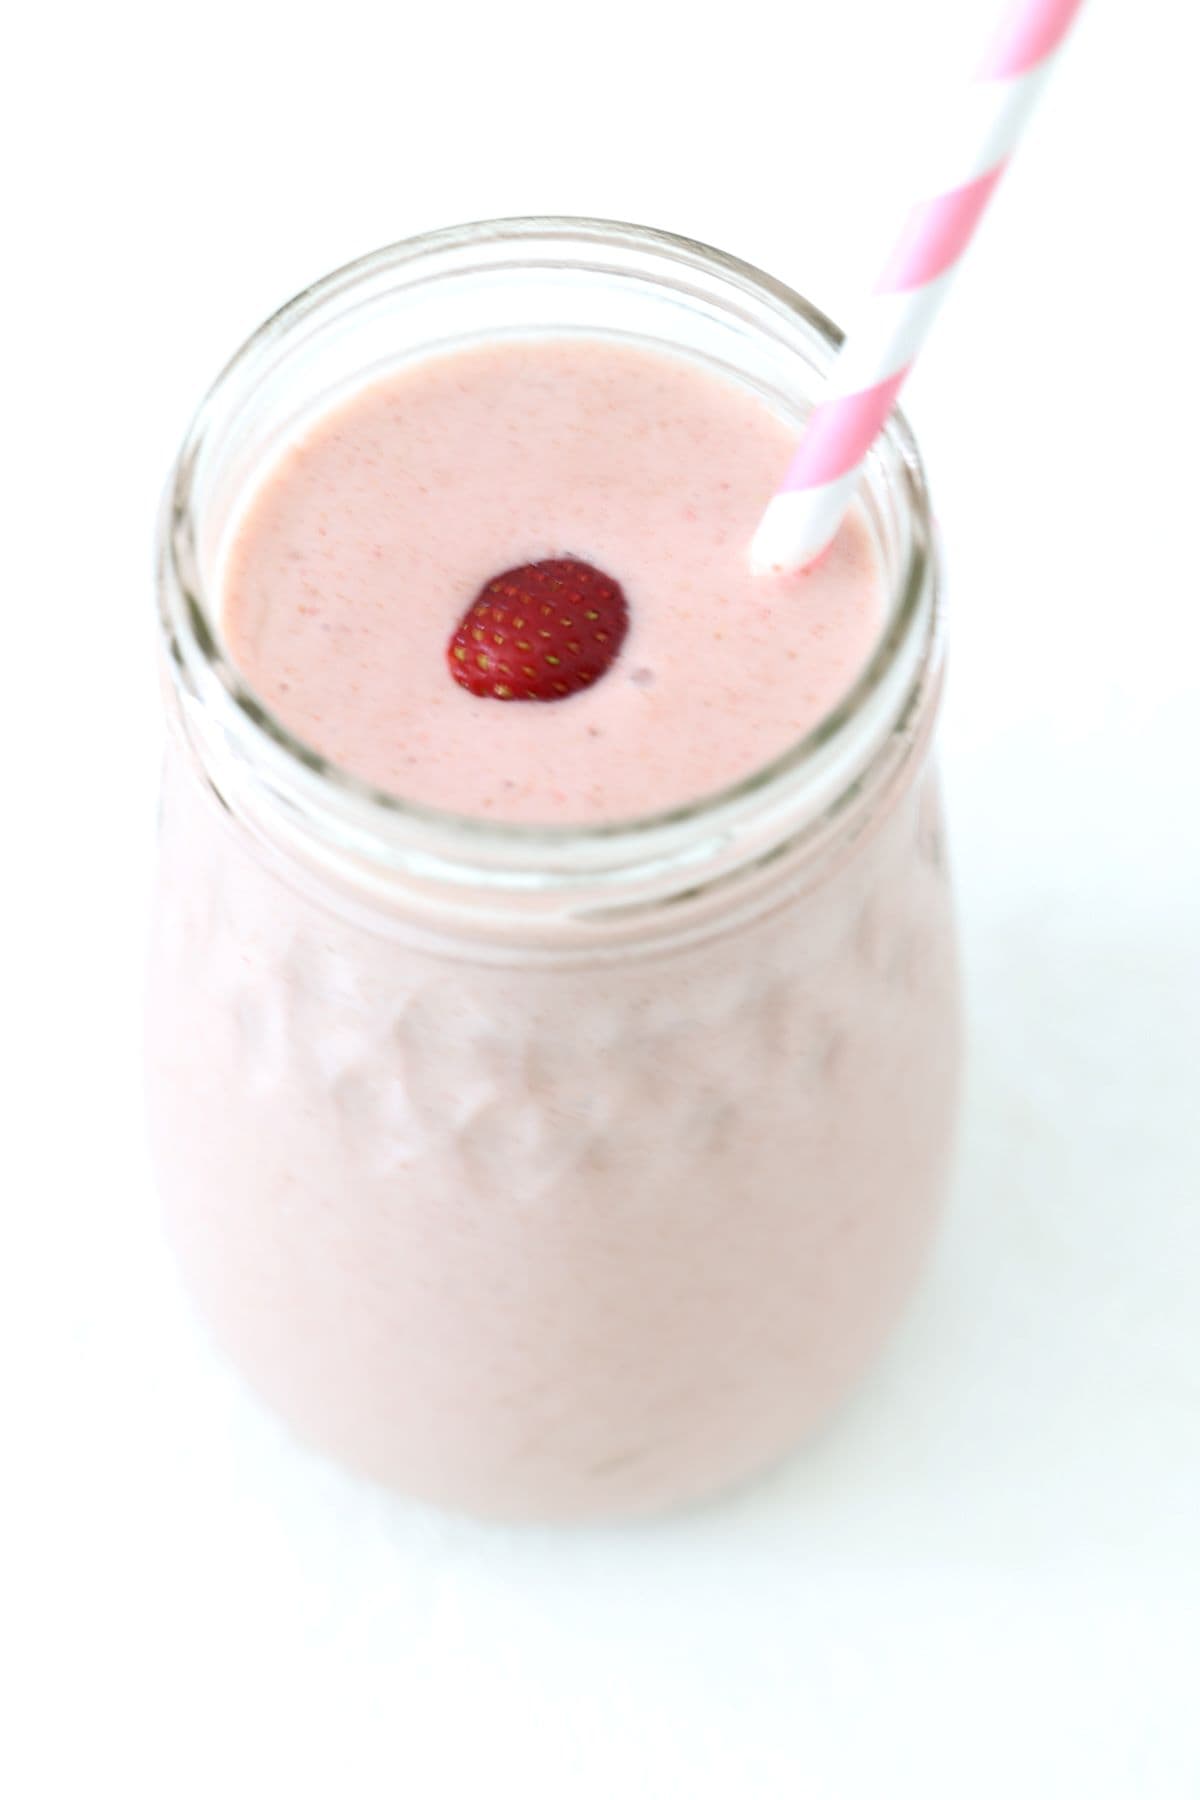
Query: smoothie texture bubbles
x: 398, y: 522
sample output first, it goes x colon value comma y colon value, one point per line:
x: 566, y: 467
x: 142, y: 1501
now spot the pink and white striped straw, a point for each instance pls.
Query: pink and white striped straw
x: 882, y: 343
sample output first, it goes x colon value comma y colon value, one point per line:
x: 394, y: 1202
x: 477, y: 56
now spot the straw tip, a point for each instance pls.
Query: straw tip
x: 799, y: 526
x: 775, y: 549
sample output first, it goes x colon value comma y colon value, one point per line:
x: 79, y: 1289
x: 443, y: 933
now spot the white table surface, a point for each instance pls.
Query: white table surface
x: 986, y: 1580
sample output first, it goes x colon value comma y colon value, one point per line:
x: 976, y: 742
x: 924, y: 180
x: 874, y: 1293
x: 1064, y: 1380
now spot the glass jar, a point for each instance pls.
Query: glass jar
x: 546, y: 1172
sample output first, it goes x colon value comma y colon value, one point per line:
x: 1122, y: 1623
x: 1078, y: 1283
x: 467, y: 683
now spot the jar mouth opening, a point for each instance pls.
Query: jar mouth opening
x: 202, y: 666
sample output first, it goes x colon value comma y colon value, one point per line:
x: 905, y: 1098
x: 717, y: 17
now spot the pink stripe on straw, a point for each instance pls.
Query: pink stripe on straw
x: 804, y: 514
x: 936, y: 233
x: 1032, y: 32
x: 839, y: 434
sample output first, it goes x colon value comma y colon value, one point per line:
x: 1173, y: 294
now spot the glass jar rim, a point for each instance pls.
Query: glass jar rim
x: 375, y: 817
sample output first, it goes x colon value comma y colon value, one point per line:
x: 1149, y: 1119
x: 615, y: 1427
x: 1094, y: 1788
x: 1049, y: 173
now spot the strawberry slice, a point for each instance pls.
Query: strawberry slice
x: 541, y: 632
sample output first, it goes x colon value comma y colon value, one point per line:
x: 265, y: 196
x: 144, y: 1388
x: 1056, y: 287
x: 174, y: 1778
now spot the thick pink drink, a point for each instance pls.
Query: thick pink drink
x: 382, y: 524
x: 570, y: 1174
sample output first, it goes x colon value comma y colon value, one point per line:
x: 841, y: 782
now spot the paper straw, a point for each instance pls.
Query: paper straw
x: 883, y: 341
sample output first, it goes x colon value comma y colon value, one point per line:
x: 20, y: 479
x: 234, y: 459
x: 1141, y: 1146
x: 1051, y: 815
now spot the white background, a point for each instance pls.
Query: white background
x: 986, y: 1581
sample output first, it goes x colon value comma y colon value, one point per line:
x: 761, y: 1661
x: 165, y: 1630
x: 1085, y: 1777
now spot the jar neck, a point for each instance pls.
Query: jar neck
x: 535, y: 277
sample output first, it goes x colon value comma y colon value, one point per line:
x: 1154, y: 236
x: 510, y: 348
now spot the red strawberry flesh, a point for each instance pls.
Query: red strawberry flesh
x: 544, y: 631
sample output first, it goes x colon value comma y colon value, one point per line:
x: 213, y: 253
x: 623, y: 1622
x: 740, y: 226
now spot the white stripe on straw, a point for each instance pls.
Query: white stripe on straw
x: 984, y: 127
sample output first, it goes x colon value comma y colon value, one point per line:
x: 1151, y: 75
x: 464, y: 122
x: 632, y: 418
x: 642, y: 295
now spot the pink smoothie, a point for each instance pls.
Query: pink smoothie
x: 594, y: 1221
x: 359, y: 554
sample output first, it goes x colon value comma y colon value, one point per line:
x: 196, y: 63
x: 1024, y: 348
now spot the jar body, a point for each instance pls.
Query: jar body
x: 552, y: 1236
x: 564, y: 1172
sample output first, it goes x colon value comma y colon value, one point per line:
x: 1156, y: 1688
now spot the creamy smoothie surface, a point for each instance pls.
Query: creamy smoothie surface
x: 377, y: 529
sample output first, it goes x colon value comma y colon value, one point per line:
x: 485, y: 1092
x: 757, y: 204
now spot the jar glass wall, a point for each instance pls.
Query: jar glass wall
x: 546, y: 1171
